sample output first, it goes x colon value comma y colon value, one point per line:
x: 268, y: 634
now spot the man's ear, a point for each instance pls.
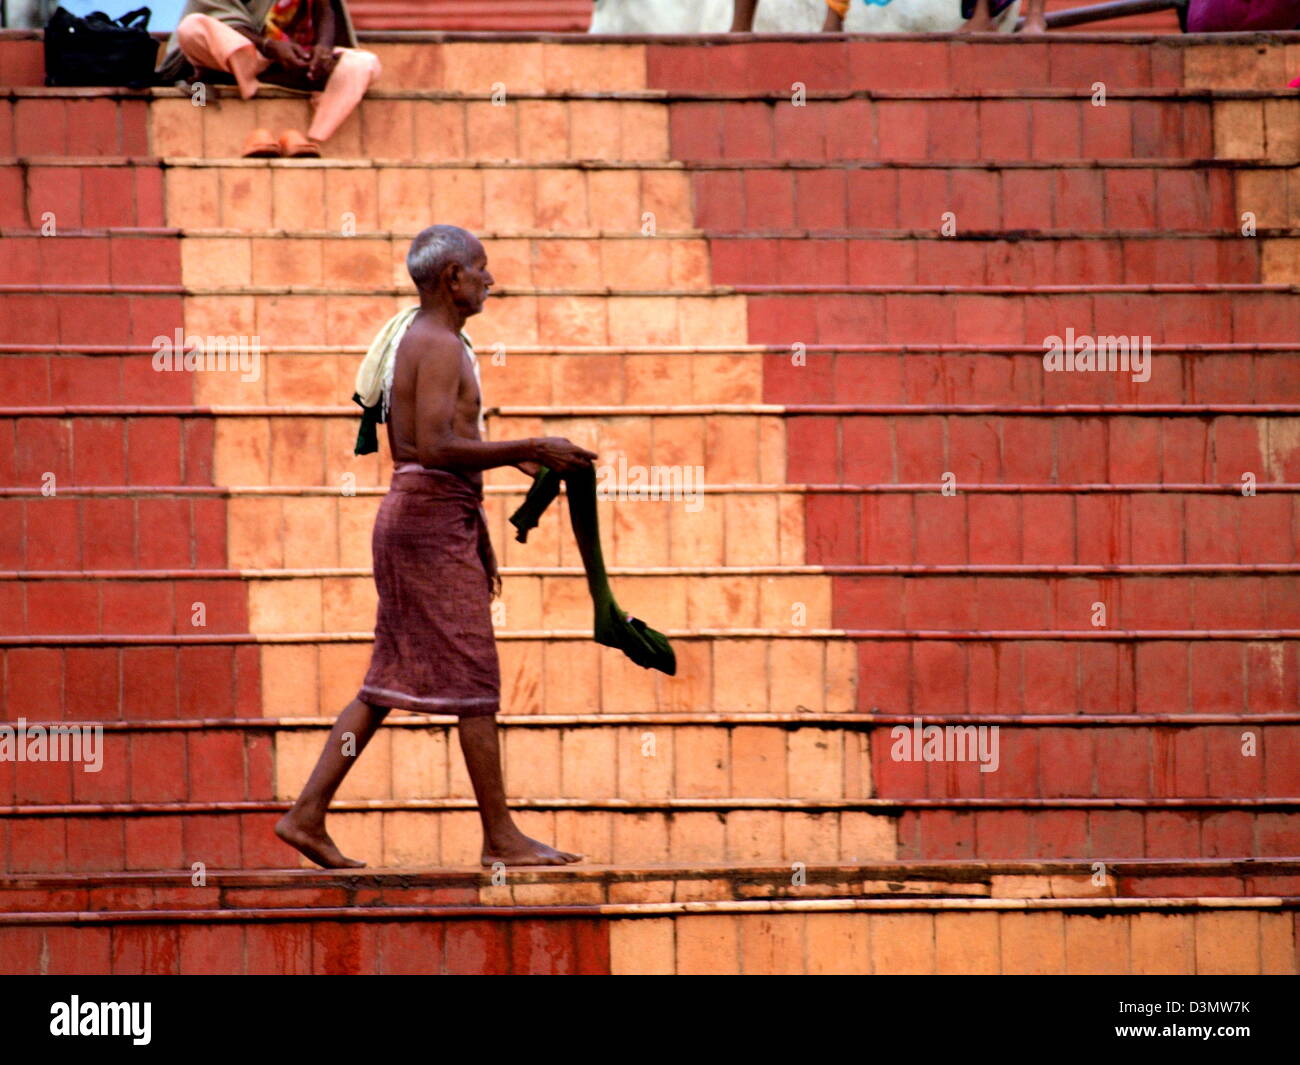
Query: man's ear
x: 452, y: 275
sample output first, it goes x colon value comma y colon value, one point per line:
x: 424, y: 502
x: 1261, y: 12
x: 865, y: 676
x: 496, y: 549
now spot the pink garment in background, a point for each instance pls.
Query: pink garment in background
x: 1228, y: 16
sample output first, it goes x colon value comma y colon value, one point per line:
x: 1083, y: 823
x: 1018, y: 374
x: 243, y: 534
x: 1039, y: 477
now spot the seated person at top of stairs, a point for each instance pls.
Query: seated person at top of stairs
x: 300, y: 44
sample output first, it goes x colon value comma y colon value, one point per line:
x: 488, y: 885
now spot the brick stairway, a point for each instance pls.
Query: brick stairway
x: 826, y: 591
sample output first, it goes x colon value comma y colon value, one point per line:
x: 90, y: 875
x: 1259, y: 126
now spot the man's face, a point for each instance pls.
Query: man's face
x: 474, y: 281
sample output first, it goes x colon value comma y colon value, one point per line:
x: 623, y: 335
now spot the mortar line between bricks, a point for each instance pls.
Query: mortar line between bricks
x: 828, y: 570
x: 892, y: 807
x: 886, y: 635
x: 864, y: 721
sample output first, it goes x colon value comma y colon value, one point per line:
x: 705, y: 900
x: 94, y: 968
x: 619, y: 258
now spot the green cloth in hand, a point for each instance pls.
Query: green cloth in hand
x: 613, y: 627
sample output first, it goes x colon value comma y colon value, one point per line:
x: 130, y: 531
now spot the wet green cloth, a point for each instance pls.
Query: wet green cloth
x: 613, y: 627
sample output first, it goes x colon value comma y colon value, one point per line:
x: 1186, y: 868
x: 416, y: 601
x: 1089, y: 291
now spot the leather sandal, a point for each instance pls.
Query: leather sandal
x: 293, y: 145
x: 261, y: 145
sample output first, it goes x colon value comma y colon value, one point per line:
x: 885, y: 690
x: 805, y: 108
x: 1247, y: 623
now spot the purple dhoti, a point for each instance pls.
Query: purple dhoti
x: 435, y: 650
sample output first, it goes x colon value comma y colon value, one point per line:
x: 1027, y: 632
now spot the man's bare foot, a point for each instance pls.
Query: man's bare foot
x: 244, y: 65
x: 315, y: 843
x: 520, y: 850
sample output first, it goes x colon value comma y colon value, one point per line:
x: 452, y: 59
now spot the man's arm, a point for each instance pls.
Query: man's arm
x: 437, y: 446
x: 322, y: 19
x: 285, y: 53
x: 322, y: 53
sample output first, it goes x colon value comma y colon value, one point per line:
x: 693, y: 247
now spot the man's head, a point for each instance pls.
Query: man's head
x: 450, y: 261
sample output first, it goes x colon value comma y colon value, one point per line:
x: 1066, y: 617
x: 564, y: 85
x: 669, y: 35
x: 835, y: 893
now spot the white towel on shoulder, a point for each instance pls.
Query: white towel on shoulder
x: 374, y: 382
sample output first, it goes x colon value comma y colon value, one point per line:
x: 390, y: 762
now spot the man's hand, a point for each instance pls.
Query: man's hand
x: 530, y: 468
x: 287, y: 54
x: 321, y: 64
x: 563, y: 456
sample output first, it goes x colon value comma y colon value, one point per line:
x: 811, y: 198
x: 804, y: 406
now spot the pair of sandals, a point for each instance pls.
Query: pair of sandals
x: 290, y: 145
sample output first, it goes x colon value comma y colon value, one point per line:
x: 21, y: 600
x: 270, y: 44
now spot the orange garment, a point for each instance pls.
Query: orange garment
x: 290, y: 20
x: 840, y: 7
x: 210, y: 44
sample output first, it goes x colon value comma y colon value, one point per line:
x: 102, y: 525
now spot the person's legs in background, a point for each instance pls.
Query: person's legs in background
x: 985, y: 13
x: 353, y: 73
x: 742, y: 18
x: 212, y: 45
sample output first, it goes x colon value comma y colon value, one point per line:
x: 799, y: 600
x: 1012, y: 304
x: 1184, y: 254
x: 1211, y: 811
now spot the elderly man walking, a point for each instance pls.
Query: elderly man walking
x: 435, y: 650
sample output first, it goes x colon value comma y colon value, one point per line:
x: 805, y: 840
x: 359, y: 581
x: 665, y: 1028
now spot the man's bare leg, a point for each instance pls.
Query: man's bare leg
x: 742, y: 19
x: 245, y: 67
x: 834, y: 21
x: 502, y: 840
x: 303, y: 827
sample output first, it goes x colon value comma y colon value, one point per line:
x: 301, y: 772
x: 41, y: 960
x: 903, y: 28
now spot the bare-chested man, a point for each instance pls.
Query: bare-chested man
x: 435, y: 651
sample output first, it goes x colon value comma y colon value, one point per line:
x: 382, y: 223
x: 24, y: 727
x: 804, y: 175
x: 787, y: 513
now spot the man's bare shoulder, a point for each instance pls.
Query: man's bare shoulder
x: 428, y: 340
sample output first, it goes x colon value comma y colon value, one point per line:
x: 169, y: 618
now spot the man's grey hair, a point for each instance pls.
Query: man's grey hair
x: 435, y: 249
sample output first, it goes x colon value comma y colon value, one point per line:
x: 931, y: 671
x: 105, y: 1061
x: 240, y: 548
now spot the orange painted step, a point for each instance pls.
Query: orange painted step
x: 778, y: 936
x: 1267, y: 374
x: 61, y: 838
x: 22, y: 58
x: 731, y: 65
x: 144, y: 677
x: 849, y: 374
x: 235, y: 890
x: 1059, y: 127
x: 1126, y: 528
x: 120, y: 256
x: 66, y: 122
x: 1189, y: 314
x: 921, y: 257
x: 1086, y: 757
x: 85, y: 193
x: 906, y: 445
x: 1262, y: 601
x: 416, y: 940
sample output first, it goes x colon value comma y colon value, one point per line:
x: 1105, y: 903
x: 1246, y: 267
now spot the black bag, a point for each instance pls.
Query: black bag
x: 96, y: 50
